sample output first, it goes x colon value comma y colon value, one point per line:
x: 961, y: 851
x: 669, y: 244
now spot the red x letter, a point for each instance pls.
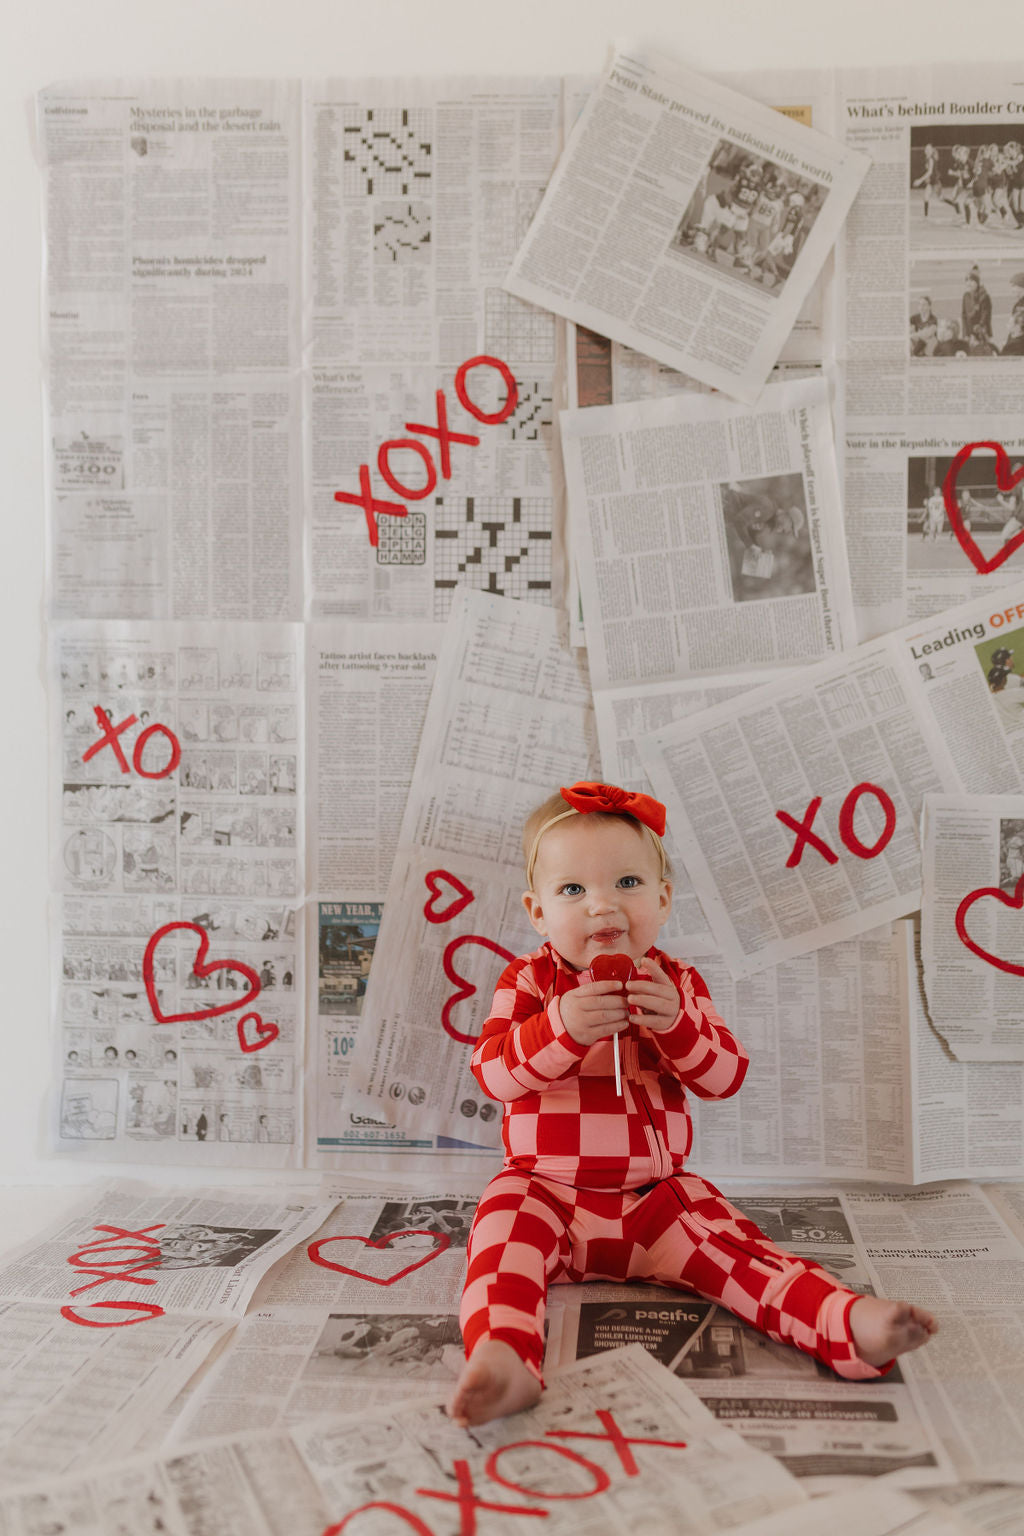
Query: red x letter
x: 443, y: 435
x: 468, y: 1502
x: 369, y: 503
x: 805, y: 835
x: 109, y: 738
x: 615, y: 1436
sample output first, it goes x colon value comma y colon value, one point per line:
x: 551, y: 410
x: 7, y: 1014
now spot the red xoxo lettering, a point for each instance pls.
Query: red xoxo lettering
x: 847, y: 834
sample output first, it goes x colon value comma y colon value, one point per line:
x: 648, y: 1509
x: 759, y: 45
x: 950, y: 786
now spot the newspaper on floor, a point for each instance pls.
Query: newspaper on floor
x: 950, y: 1250
x: 797, y: 805
x: 171, y: 297
x: 687, y: 221
x: 107, y: 1315
x: 870, y: 1511
x: 618, y: 1431
x: 367, y: 692
x: 430, y: 390
x: 821, y: 1428
x: 986, y: 1507
x: 177, y: 856
x: 366, y: 1310
x: 972, y: 938
x: 509, y: 721
x: 708, y: 536
x: 930, y: 332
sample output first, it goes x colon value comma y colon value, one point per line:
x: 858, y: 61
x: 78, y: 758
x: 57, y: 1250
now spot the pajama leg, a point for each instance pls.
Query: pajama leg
x: 695, y: 1240
x: 517, y: 1245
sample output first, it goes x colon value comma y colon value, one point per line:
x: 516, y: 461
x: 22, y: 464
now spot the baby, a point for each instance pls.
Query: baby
x: 594, y: 1185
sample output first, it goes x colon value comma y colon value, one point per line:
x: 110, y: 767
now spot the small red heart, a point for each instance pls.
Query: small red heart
x: 612, y: 968
x: 1005, y: 482
x: 265, y: 1033
x: 199, y: 968
x: 442, y: 1239
x: 1016, y: 900
x: 466, y: 988
x: 461, y: 901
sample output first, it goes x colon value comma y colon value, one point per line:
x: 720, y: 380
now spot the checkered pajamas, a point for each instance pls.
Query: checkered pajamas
x: 594, y: 1187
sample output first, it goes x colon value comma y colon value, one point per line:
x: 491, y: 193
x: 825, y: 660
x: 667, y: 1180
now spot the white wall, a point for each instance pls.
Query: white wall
x: 47, y: 40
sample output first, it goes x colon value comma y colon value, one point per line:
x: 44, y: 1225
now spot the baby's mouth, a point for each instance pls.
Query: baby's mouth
x: 607, y: 935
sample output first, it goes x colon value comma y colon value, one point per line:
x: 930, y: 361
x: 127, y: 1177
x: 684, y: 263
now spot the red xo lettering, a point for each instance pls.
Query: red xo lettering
x: 372, y: 505
x: 109, y: 738
x: 120, y: 1255
x: 848, y: 836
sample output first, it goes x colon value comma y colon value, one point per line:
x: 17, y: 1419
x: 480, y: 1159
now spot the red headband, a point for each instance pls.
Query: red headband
x: 613, y: 801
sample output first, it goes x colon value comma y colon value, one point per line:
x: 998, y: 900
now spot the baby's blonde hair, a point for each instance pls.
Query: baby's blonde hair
x: 555, y: 807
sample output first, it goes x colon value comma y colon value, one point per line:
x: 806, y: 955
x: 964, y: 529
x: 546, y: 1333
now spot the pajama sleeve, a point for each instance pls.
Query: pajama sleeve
x: 524, y: 1047
x: 701, y: 1051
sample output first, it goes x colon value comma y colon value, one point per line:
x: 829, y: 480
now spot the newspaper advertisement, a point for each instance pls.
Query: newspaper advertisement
x: 619, y: 1432
x: 973, y: 862
x: 177, y: 853
x: 623, y: 716
x: 797, y: 805
x: 707, y: 536
x: 687, y: 221
x: 430, y: 399
x: 172, y: 348
x: 180, y: 1267
x: 512, y: 722
x: 930, y: 319
x: 367, y: 1311
x: 948, y: 1249
x: 819, y: 1427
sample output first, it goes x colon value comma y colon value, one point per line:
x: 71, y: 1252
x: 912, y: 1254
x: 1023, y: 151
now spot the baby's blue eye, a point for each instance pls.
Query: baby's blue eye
x: 629, y: 881
x: 573, y: 888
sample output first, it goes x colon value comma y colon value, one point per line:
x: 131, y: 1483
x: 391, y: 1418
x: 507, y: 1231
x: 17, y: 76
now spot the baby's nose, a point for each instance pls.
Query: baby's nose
x: 602, y: 901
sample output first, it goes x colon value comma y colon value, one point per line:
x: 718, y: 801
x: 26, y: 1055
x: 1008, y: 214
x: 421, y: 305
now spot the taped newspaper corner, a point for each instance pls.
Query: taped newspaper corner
x: 781, y: 867
x: 177, y: 860
x: 663, y: 246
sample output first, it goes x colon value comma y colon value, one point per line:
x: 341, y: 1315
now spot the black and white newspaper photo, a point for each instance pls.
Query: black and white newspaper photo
x: 687, y: 221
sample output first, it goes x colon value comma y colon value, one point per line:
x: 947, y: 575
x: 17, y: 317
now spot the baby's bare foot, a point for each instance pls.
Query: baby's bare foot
x: 882, y: 1329
x: 494, y: 1382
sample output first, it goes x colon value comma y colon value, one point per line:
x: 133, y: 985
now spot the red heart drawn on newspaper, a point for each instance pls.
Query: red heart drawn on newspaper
x: 200, y: 968
x: 1016, y: 900
x: 465, y: 988
x: 264, y: 1035
x: 1005, y: 482
x: 441, y: 1240
x: 433, y: 882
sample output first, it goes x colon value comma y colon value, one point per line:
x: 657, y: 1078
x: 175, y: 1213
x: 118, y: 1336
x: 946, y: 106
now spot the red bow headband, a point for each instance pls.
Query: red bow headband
x: 612, y: 801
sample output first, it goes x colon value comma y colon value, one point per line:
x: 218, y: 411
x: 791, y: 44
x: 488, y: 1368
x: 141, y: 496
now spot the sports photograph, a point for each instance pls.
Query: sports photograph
x: 991, y: 517
x: 966, y: 186
x: 966, y: 309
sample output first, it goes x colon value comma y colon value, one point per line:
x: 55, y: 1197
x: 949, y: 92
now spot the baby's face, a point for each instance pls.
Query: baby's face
x: 597, y: 889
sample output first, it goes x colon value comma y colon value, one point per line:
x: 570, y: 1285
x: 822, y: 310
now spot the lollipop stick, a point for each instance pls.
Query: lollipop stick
x: 618, y: 1066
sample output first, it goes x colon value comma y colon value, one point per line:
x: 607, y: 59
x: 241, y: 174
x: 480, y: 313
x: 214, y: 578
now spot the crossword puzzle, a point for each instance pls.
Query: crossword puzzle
x: 497, y: 544
x: 401, y: 233
x: 402, y: 540
x: 386, y: 151
x: 532, y: 416
x: 518, y: 332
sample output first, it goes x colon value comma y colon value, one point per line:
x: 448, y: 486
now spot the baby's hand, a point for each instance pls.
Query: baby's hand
x: 653, y: 996
x: 594, y: 1011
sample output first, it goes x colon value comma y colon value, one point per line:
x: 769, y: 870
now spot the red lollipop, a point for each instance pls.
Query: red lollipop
x: 612, y: 968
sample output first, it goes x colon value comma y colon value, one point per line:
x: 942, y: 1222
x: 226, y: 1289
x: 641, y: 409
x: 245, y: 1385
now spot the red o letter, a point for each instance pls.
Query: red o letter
x: 140, y: 747
x: 849, y: 836
x: 148, y: 1309
x: 600, y: 1476
x: 491, y: 418
x: 412, y: 1521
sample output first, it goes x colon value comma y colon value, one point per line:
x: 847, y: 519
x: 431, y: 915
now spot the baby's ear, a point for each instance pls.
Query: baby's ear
x: 535, y: 912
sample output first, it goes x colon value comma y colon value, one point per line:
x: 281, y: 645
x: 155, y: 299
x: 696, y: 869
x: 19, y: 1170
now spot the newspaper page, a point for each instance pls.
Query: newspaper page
x: 172, y: 347
x: 619, y: 1431
x: 177, y: 853
x: 797, y: 805
x: 367, y: 696
x: 511, y: 722
x: 968, y: 1116
x: 971, y: 940
x: 948, y: 1249
x: 622, y: 716
x: 708, y: 537
x: 820, y: 1428
x: 930, y: 316
x: 178, y: 1267
x: 991, y: 1508
x: 687, y: 221
x: 431, y: 394
x: 870, y: 1511
x: 366, y: 1311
